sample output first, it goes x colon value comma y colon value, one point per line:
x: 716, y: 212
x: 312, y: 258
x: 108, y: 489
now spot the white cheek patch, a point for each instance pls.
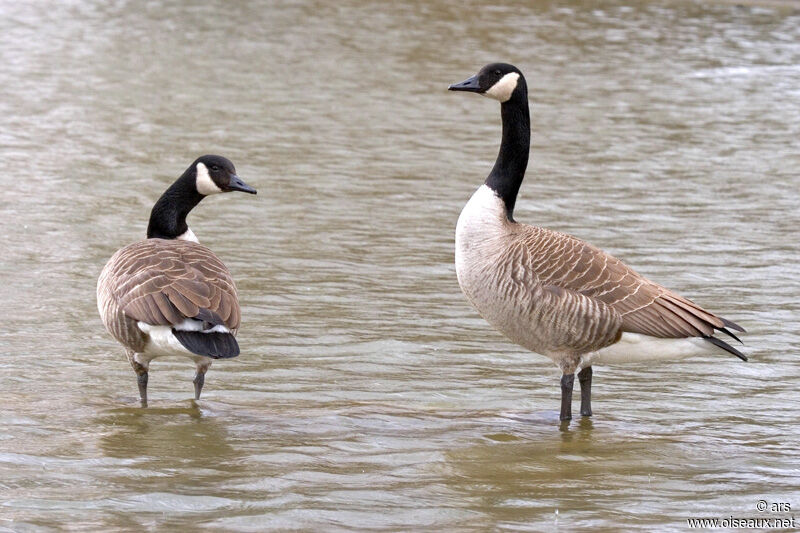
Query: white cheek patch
x: 501, y: 91
x: 205, y: 185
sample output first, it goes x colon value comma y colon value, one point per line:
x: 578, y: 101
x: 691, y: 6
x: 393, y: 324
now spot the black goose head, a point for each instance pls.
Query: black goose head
x: 499, y: 81
x: 209, y: 174
x: 506, y: 84
x: 214, y: 174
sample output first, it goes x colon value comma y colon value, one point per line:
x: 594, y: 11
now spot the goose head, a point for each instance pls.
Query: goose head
x: 499, y: 81
x: 214, y: 174
x: 209, y: 174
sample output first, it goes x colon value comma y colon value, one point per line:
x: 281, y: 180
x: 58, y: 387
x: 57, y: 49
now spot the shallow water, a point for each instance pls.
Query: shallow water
x: 369, y: 395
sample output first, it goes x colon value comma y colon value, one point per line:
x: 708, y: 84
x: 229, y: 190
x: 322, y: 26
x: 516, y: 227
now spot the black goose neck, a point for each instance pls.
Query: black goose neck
x: 512, y: 160
x: 168, y: 217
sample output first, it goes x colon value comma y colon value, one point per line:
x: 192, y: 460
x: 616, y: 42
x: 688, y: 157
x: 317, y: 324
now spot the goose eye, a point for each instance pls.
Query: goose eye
x: 214, y: 168
x: 497, y: 72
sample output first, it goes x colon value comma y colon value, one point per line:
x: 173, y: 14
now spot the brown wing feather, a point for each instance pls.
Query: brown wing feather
x: 645, y: 307
x: 164, y: 282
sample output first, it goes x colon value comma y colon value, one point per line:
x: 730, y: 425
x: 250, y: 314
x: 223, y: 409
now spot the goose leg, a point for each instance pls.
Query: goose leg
x: 141, y: 374
x: 200, y: 377
x: 585, y: 379
x: 141, y: 379
x: 199, y: 380
x: 567, y: 381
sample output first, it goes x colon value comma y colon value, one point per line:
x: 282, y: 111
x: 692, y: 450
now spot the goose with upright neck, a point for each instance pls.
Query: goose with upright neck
x: 168, y: 294
x: 552, y: 293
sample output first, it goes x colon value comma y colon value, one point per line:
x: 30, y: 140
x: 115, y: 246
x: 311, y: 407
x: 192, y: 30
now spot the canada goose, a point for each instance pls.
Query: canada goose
x: 552, y: 293
x: 168, y: 294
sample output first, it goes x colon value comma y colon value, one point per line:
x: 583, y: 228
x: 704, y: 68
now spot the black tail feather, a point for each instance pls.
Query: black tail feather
x: 730, y: 334
x: 216, y: 345
x: 725, y: 346
x: 732, y: 325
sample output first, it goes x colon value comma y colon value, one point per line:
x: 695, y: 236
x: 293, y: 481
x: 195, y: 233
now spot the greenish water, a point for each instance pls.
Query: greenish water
x: 369, y: 395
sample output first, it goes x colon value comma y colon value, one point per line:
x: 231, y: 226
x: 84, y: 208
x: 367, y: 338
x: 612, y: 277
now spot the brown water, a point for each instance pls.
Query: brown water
x: 369, y: 395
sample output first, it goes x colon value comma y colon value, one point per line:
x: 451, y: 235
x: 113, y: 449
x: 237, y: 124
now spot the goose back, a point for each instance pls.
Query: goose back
x: 163, y: 283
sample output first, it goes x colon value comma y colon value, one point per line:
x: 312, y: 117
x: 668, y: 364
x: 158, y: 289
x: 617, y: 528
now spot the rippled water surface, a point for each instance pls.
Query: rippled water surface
x: 369, y: 395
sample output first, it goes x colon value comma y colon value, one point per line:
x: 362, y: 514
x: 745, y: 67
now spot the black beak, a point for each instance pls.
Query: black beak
x: 236, y: 184
x: 470, y: 84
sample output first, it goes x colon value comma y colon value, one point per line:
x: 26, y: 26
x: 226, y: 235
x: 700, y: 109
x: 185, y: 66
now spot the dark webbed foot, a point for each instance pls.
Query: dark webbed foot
x: 567, y: 382
x: 585, y: 379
